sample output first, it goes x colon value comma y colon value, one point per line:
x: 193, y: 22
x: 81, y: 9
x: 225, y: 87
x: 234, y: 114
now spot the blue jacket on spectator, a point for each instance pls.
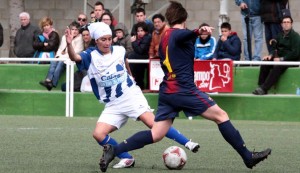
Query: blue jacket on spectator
x: 205, y: 51
x: 253, y: 7
x: 229, y: 49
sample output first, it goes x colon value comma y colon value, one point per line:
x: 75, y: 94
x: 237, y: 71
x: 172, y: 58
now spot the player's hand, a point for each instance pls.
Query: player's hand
x: 69, y: 36
x: 208, y: 29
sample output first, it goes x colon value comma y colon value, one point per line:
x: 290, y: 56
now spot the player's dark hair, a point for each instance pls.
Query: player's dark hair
x: 160, y: 16
x: 226, y: 25
x: 175, y: 13
x: 142, y: 25
x: 140, y: 10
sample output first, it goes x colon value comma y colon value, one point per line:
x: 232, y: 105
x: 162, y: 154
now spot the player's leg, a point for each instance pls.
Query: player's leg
x: 111, y: 119
x: 148, y: 119
x: 141, y: 110
x: 101, y: 136
x: 137, y: 141
x: 233, y: 137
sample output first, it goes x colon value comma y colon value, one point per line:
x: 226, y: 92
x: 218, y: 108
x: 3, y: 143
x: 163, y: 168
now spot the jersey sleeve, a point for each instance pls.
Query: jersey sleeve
x: 85, y: 60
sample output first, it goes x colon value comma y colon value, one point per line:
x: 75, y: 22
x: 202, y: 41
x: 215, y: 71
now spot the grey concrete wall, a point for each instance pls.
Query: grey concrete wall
x: 63, y: 12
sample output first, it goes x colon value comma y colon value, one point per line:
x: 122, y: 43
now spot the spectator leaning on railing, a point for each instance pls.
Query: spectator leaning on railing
x: 284, y: 48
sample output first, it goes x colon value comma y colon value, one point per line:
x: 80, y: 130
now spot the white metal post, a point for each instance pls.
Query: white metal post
x: 71, y: 89
x: 223, y: 17
x: 68, y: 88
x: 85, y: 7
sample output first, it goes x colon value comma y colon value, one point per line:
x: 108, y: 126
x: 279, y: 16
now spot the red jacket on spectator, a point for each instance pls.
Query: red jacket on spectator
x: 156, y: 37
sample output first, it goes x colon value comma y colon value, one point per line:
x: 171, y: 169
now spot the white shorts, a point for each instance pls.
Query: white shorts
x: 131, y: 104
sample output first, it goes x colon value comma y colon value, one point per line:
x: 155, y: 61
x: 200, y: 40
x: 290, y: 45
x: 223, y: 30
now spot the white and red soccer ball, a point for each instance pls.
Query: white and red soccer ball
x: 174, y: 157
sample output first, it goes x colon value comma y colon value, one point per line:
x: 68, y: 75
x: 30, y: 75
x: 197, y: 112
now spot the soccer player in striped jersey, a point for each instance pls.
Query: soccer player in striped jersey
x: 114, y: 86
x: 178, y: 92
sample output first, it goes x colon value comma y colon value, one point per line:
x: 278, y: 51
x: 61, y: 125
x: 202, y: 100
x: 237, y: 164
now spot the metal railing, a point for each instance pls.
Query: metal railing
x: 296, y: 63
x: 70, y: 73
x: 69, y: 78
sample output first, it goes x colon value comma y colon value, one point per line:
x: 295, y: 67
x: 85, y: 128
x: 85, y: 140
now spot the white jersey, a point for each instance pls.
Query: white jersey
x: 107, y: 73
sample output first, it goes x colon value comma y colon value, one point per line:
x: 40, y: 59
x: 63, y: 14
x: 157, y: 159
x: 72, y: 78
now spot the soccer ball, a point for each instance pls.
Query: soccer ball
x: 174, y: 158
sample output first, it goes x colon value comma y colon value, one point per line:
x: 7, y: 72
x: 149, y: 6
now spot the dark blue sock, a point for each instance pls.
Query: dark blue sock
x: 176, y: 136
x: 138, y: 140
x: 233, y: 137
x: 112, y: 141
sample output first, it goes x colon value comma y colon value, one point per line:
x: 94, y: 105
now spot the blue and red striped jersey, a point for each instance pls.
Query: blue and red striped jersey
x: 177, y: 60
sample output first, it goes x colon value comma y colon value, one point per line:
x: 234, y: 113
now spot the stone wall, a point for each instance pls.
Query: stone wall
x: 63, y: 12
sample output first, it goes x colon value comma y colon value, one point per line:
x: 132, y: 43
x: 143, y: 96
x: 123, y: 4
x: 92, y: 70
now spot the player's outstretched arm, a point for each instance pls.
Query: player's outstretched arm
x: 69, y: 37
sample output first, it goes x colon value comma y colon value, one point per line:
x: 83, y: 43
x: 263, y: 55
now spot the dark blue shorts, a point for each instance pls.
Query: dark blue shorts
x: 192, y: 104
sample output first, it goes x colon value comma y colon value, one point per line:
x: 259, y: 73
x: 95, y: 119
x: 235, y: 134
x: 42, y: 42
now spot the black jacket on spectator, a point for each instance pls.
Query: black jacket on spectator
x: 24, y: 40
x: 141, y: 47
x: 269, y: 10
x: 140, y: 51
x: 53, y: 43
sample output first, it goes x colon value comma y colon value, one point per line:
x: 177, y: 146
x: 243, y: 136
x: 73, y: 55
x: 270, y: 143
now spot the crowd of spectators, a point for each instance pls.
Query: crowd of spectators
x: 144, y: 39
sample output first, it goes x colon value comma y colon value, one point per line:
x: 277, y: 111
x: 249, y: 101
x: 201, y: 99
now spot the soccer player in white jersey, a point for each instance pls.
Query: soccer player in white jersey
x: 113, y: 86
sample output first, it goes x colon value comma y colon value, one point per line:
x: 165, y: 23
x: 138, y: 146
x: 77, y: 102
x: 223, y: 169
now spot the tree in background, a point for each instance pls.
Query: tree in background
x: 15, y: 8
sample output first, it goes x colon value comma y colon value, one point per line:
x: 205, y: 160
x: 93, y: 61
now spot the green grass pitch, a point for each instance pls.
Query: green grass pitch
x: 37, y: 144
